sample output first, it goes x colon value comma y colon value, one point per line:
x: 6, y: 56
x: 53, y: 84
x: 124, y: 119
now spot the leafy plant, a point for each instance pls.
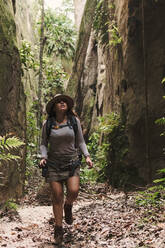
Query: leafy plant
x: 161, y: 122
x: 60, y: 35
x: 10, y: 205
x: 55, y: 77
x: 32, y: 134
x: 27, y: 56
x: 105, y: 25
x: 156, y: 194
x: 161, y: 181
x: 7, y: 145
x: 99, y: 147
x: 101, y: 22
x: 152, y: 196
x: 115, y: 38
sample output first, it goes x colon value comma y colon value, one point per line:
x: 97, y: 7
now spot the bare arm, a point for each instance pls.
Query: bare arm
x: 82, y: 145
x: 44, y: 145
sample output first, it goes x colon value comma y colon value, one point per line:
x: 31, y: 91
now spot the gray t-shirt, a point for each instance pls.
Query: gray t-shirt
x: 61, y: 142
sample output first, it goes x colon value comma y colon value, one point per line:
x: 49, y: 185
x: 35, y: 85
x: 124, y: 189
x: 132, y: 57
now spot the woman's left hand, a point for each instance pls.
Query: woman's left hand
x: 89, y: 162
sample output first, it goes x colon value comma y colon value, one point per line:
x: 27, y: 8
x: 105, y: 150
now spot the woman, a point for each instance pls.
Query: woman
x: 59, y: 151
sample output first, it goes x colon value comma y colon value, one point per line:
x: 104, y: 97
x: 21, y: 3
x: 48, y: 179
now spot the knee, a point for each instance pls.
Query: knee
x: 57, y: 199
x: 73, y: 193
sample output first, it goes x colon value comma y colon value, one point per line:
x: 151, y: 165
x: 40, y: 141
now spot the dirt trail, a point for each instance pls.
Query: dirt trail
x: 101, y: 220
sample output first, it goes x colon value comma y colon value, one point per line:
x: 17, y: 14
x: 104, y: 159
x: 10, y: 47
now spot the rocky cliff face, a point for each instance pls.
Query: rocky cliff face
x: 140, y: 89
x: 16, y: 24
x: 126, y: 78
x: 26, y: 14
x: 12, y: 99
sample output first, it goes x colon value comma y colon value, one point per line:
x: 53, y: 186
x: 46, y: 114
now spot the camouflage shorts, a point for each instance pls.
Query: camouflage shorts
x: 54, y: 176
x: 63, y: 168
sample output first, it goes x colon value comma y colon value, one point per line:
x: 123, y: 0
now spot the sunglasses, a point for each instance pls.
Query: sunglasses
x: 61, y: 100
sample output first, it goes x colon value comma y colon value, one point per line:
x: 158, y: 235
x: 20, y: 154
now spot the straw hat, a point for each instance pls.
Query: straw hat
x: 57, y: 97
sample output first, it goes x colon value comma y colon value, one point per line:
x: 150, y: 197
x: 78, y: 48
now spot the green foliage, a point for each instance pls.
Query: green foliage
x: 10, y: 205
x: 156, y: 194
x: 148, y: 198
x: 163, y: 80
x: 99, y: 147
x: 161, y: 180
x: 161, y: 122
x: 88, y: 175
x: 7, y: 145
x: 101, y: 22
x: 54, y: 79
x: 60, y: 35
x: 59, y: 43
x: 115, y: 38
x: 105, y: 25
x: 31, y: 135
x: 27, y: 56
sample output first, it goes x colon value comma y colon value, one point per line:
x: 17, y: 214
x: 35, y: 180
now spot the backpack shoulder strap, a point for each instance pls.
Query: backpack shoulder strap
x: 74, y: 125
x: 49, y: 124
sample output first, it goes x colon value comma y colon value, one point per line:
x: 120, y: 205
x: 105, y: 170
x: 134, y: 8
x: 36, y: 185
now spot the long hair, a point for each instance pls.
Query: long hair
x: 72, y: 112
x: 69, y: 113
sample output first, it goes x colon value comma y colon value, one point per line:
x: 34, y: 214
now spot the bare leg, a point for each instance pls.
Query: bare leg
x: 72, y: 193
x: 57, y: 200
x: 73, y: 184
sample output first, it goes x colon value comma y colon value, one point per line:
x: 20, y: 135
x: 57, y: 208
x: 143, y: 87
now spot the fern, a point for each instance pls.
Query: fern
x: 160, y: 121
x: 8, y: 157
x: 8, y: 144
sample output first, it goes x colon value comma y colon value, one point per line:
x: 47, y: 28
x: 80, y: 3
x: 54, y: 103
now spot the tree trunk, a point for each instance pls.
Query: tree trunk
x: 82, y: 45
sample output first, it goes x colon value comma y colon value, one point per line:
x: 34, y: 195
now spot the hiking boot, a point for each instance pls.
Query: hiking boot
x: 58, y: 235
x: 68, y: 214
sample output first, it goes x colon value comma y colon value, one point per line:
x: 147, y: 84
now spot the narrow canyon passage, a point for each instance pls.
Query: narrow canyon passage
x: 109, y: 57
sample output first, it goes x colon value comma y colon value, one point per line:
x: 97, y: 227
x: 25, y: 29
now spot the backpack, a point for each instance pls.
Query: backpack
x: 72, y: 123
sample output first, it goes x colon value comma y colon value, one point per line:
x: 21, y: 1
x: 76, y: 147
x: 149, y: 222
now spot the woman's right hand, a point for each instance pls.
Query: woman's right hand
x: 42, y: 162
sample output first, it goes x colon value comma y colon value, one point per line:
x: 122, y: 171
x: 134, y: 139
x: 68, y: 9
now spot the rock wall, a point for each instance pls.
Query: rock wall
x: 126, y: 78
x: 12, y: 100
x: 141, y: 91
x: 17, y: 92
x: 26, y: 17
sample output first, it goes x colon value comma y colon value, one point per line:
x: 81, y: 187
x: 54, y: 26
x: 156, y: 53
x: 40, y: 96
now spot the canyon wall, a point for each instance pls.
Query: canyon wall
x: 124, y: 76
x: 12, y: 100
x: 141, y: 70
x: 16, y: 25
